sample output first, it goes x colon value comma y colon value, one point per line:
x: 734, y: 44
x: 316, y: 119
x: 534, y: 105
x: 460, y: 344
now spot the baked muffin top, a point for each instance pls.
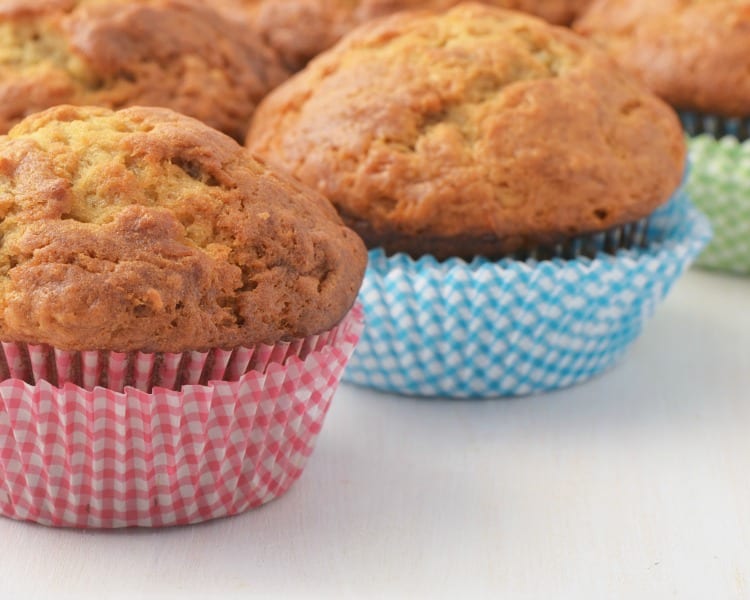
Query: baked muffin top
x: 301, y: 29
x: 180, y: 54
x: 144, y: 229
x: 693, y: 53
x: 475, y: 123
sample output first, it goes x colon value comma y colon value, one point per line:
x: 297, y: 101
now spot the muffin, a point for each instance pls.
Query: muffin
x: 174, y: 319
x: 465, y: 147
x: 408, y: 118
x: 696, y: 56
x: 179, y: 54
x: 301, y: 29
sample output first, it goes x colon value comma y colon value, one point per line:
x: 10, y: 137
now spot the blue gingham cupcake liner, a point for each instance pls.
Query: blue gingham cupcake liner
x: 720, y: 186
x: 486, y: 328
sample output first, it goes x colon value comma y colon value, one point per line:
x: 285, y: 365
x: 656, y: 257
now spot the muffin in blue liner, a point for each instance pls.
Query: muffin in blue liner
x: 720, y: 186
x: 511, y: 327
x: 478, y: 132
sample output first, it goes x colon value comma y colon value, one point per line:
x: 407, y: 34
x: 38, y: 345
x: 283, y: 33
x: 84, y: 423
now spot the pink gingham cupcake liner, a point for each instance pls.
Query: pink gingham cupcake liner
x: 107, y: 440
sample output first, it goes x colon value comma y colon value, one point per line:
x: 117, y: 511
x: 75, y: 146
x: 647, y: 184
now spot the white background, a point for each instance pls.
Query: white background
x: 635, y: 485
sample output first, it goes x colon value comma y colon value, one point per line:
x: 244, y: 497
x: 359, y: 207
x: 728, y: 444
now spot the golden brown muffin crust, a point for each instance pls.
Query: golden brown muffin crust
x: 146, y: 230
x: 179, y: 54
x: 478, y: 122
x: 693, y: 53
x: 301, y: 29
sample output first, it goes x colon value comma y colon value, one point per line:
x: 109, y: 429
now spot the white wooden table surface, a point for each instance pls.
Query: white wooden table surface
x: 636, y: 485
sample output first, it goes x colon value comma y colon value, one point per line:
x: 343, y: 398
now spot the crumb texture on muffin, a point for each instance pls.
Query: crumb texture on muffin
x: 180, y: 54
x: 301, y: 29
x: 472, y: 124
x: 146, y: 230
x: 693, y: 53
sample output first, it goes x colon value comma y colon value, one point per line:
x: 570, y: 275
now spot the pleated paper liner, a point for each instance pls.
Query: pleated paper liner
x: 516, y: 327
x: 716, y: 126
x: 720, y: 186
x: 173, y: 440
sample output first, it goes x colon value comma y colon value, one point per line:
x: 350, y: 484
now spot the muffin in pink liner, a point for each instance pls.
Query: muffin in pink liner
x: 77, y: 457
x: 174, y: 319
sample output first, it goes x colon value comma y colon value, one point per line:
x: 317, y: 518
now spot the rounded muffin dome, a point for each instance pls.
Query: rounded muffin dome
x: 180, y: 54
x: 474, y: 131
x: 693, y: 53
x: 146, y: 230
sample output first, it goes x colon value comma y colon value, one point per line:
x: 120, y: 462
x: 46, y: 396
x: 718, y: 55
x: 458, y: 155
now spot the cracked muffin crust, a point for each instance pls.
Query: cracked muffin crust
x: 475, y: 132
x: 693, y: 53
x: 146, y: 230
x: 301, y: 29
x: 179, y: 54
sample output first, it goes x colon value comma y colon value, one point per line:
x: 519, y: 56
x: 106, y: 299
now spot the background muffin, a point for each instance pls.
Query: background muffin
x: 475, y: 133
x: 479, y: 132
x: 179, y: 54
x: 695, y: 55
x: 301, y: 29
x: 174, y: 320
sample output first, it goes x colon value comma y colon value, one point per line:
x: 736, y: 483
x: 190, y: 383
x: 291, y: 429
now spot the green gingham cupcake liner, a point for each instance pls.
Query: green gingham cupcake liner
x: 719, y: 185
x: 488, y: 328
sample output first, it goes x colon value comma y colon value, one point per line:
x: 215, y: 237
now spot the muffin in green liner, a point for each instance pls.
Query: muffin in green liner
x: 719, y: 185
x: 695, y: 55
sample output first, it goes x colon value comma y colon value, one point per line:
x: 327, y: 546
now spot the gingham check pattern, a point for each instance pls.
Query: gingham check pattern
x: 511, y: 327
x: 101, y: 458
x: 720, y: 186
